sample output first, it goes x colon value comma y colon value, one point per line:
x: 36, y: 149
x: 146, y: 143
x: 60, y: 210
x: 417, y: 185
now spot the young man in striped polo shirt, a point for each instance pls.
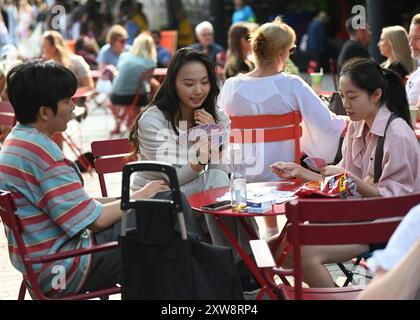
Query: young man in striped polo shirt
x: 56, y: 212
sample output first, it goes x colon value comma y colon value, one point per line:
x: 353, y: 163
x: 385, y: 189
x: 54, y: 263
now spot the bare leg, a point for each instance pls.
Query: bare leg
x: 314, y: 258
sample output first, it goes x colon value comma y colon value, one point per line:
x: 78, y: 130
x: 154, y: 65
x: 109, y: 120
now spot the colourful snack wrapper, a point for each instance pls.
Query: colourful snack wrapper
x: 340, y: 185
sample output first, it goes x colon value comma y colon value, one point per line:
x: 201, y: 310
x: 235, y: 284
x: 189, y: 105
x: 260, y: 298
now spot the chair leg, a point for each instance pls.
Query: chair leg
x: 22, y: 291
x: 347, y: 273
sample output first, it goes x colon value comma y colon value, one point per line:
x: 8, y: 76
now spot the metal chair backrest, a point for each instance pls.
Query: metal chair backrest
x: 14, y: 224
x: 267, y: 128
x: 110, y: 156
x: 339, y: 222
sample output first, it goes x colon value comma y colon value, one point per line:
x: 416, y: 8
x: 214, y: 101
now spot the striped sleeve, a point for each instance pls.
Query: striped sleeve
x: 65, y: 200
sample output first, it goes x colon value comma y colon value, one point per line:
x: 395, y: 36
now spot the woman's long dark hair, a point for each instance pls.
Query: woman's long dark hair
x: 369, y: 76
x: 236, y: 59
x: 167, y: 100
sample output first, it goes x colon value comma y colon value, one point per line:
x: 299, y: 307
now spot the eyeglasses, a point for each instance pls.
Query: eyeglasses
x: 292, y: 50
x: 123, y: 40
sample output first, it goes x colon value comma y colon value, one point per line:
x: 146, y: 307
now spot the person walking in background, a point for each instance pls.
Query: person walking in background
x: 205, y: 35
x: 356, y: 45
x: 239, y: 48
x: 317, y: 39
x: 131, y: 66
x: 393, y: 45
x: 185, y: 29
x: 243, y: 12
x: 268, y: 90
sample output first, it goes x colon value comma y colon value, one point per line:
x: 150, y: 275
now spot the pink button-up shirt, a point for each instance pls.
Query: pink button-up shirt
x: 401, y: 161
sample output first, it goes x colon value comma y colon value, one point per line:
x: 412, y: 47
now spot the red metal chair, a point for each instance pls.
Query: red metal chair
x: 110, y: 156
x: 269, y: 128
x: 335, y: 222
x: 7, y: 119
x: 30, y: 281
x: 126, y: 114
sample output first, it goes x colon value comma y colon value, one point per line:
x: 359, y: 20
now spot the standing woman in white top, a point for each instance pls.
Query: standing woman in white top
x: 186, y: 98
x: 267, y: 90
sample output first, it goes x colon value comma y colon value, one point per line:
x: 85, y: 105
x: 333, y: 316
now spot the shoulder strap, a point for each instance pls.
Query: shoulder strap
x: 379, y: 153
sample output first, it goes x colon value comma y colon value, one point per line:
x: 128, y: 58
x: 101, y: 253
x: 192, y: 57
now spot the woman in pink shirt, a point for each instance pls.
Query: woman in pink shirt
x: 370, y: 95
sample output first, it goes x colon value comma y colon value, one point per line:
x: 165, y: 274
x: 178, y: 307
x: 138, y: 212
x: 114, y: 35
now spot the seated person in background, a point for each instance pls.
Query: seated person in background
x: 131, y: 68
x: 116, y: 39
x: 393, y: 45
x: 87, y: 47
x: 163, y: 55
x: 184, y: 27
x: 238, y: 50
x: 48, y: 188
x: 54, y: 48
x: 205, y: 35
x: 243, y: 12
x: 396, y: 268
x: 370, y: 106
x: 268, y: 90
x: 356, y: 45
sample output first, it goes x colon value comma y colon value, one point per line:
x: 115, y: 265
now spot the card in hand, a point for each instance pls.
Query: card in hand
x: 315, y: 163
x: 204, y: 129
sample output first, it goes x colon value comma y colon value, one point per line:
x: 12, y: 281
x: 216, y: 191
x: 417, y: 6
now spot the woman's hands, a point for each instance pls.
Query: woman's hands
x: 290, y: 170
x: 331, y: 170
x: 150, y: 189
x: 201, y: 116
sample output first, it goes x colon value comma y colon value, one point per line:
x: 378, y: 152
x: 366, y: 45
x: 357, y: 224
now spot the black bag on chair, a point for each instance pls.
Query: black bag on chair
x: 160, y: 259
x: 336, y: 104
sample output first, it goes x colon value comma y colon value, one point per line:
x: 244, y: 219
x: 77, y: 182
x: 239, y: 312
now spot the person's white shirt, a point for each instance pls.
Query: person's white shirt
x: 281, y: 94
x: 412, y: 88
x: 401, y: 241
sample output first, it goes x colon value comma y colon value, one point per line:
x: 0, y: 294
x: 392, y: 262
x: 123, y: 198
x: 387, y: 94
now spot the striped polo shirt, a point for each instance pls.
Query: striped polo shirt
x: 53, y: 206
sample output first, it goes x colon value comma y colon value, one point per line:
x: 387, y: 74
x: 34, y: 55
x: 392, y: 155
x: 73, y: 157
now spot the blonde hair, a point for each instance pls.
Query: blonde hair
x: 144, y: 46
x: 115, y: 32
x: 271, y: 39
x: 57, y: 41
x: 397, y: 38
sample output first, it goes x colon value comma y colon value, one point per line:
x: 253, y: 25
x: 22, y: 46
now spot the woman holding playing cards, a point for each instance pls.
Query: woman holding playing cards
x: 167, y: 131
x: 375, y: 101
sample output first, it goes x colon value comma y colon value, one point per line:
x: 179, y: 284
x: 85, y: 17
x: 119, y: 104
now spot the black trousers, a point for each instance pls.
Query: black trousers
x: 127, y: 100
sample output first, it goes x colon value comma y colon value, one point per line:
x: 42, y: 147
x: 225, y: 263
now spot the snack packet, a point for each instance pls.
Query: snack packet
x: 340, y: 185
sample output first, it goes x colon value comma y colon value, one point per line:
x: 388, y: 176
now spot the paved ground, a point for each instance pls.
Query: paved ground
x: 95, y: 127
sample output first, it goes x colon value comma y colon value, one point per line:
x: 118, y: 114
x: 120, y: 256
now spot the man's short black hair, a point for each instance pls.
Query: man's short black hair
x: 34, y: 84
